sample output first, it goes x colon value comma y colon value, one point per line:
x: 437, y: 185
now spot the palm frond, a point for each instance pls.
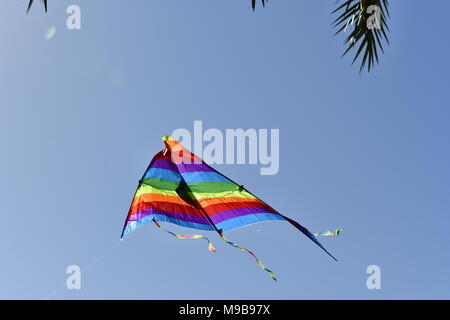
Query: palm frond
x: 254, y: 3
x: 367, y: 18
x: 45, y: 4
x: 31, y: 3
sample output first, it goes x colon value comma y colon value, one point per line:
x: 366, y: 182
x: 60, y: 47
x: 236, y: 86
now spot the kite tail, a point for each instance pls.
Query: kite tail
x: 272, y: 275
x: 192, y: 236
x: 329, y: 233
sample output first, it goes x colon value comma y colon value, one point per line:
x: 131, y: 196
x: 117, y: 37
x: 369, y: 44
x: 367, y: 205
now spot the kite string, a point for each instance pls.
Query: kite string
x: 86, y: 267
x: 272, y: 275
x: 191, y: 236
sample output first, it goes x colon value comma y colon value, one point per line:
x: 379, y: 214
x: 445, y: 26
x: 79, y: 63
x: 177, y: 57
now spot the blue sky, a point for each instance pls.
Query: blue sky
x: 83, y: 114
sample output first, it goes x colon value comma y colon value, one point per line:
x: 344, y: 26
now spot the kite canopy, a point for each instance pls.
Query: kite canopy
x: 180, y: 188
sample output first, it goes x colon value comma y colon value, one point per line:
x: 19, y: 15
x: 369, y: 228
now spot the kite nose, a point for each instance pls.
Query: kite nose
x: 171, y: 144
x: 168, y: 141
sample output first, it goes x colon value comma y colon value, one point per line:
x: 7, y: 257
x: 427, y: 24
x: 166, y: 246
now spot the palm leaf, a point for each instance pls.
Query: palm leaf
x: 368, y: 34
x: 366, y: 40
x: 45, y: 4
x: 31, y: 3
x: 254, y: 3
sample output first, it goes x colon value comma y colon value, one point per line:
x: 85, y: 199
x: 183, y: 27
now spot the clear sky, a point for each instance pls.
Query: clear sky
x: 82, y: 114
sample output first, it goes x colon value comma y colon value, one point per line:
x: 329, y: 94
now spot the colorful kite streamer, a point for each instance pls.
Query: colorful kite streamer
x: 189, y: 236
x: 329, y: 233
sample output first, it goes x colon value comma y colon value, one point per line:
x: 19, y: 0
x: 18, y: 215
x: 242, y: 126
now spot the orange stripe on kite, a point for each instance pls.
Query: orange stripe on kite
x: 165, y: 206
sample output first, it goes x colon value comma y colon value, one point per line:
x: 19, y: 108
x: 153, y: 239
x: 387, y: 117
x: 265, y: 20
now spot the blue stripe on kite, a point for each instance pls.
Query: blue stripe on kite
x: 193, y: 167
x: 147, y: 219
x: 164, y: 174
x: 241, y: 221
x: 187, y: 224
x: 202, y: 176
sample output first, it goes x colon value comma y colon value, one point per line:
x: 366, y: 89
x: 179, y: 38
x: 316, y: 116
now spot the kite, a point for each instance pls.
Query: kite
x: 180, y: 188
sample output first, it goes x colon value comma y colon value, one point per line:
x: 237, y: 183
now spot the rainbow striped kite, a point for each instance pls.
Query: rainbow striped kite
x: 180, y: 188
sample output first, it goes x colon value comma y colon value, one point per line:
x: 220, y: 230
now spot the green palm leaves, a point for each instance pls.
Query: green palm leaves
x: 364, y: 20
x: 31, y: 3
x: 367, y: 21
x: 254, y: 3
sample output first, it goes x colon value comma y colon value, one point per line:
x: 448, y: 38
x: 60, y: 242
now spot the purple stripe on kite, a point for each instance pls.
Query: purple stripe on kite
x: 164, y: 164
x: 181, y: 167
x: 194, y: 167
x: 175, y: 215
x: 233, y: 213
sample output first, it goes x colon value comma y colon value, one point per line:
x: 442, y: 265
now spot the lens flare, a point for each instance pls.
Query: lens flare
x: 50, y: 33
